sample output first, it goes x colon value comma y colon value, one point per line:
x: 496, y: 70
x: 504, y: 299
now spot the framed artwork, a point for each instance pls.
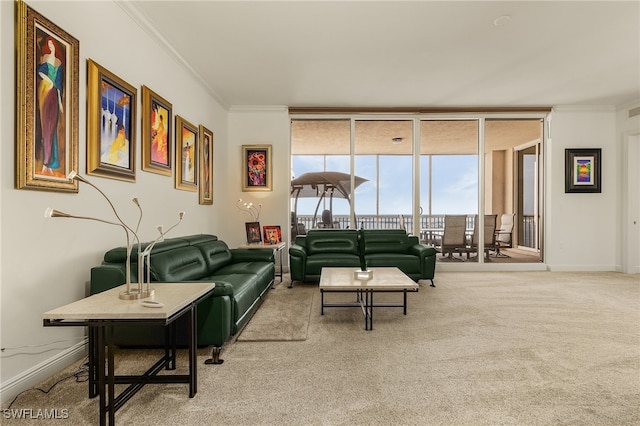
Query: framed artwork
x: 157, y: 129
x: 205, y: 184
x: 582, y: 170
x: 186, y: 155
x: 253, y: 232
x: 46, y: 103
x: 256, y: 168
x: 111, y: 125
x: 272, y: 234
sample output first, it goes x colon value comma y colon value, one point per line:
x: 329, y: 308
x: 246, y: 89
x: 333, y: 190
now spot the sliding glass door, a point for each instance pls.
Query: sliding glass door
x: 414, y: 171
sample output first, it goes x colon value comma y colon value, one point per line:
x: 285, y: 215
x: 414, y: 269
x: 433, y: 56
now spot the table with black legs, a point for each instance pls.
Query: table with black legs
x: 380, y: 280
x: 103, y: 312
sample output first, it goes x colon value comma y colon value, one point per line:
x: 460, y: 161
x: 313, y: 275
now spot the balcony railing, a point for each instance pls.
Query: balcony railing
x: 426, y: 222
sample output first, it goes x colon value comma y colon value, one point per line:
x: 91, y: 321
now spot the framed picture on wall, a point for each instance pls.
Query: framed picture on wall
x: 46, y: 103
x: 186, y: 155
x: 257, y: 173
x: 582, y: 170
x: 111, y: 124
x: 205, y: 184
x: 156, y: 133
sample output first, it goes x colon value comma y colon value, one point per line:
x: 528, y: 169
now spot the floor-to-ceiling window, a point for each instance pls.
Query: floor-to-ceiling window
x: 411, y: 171
x: 383, y: 154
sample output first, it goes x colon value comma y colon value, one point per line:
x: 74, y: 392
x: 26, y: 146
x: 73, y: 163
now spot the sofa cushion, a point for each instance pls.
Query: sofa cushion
x: 315, y: 263
x: 332, y: 241
x: 404, y: 262
x: 385, y: 241
x: 215, y: 254
x: 245, y: 291
x: 119, y: 254
x: 181, y: 264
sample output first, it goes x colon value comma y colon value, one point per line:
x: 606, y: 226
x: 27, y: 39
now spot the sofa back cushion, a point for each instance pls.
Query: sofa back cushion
x: 119, y: 254
x: 216, y: 255
x: 325, y: 241
x: 181, y: 264
x: 384, y: 241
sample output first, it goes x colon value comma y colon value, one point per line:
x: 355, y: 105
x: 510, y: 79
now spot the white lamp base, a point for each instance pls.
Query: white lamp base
x: 136, y: 294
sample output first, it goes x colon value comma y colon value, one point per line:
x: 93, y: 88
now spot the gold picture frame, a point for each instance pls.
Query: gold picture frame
x: 186, y: 155
x: 111, y: 124
x: 205, y: 174
x: 157, y: 128
x: 257, y: 172
x: 46, y: 87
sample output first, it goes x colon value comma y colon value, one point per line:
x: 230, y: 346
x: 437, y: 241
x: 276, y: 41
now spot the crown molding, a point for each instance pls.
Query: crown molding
x: 259, y: 108
x: 584, y: 108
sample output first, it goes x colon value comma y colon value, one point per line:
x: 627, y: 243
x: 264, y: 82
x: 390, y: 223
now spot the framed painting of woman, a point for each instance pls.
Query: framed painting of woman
x: 156, y: 133
x: 111, y: 124
x: 46, y: 103
x: 186, y: 155
x: 205, y: 184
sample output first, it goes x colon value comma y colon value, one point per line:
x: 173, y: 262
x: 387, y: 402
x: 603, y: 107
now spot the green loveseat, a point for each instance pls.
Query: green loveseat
x: 242, y: 278
x: 351, y: 248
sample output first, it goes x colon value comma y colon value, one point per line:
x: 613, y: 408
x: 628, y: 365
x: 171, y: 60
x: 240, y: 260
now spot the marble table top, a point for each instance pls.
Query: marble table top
x: 108, y: 305
x: 382, y: 279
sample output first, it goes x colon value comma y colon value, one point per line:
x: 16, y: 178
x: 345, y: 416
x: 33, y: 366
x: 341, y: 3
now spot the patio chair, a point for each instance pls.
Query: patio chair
x: 504, y: 234
x: 489, y: 235
x: 453, y: 237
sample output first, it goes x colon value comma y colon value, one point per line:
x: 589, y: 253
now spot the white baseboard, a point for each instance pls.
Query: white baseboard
x: 41, y: 372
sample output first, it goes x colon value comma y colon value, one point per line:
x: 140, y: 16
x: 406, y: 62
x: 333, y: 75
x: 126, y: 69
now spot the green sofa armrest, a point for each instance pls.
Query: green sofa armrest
x: 106, y: 277
x: 422, y: 250
x: 222, y: 288
x: 252, y: 255
x: 297, y: 250
x: 297, y: 262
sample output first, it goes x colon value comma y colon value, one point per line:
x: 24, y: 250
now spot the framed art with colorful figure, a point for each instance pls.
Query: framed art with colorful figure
x: 111, y: 124
x: 582, y: 170
x: 186, y: 155
x: 205, y: 175
x: 272, y: 234
x: 156, y: 133
x: 256, y: 168
x: 47, y: 79
x: 253, y: 232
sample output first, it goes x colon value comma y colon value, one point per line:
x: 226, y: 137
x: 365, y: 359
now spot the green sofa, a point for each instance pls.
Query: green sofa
x: 242, y: 278
x: 357, y: 248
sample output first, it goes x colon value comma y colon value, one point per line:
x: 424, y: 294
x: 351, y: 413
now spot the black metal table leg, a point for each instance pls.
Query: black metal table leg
x: 110, y: 375
x: 100, y: 347
x: 193, y: 378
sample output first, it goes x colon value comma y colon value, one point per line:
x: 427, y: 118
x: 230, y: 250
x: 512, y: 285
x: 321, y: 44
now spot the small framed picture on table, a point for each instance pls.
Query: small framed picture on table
x: 272, y: 234
x: 253, y: 232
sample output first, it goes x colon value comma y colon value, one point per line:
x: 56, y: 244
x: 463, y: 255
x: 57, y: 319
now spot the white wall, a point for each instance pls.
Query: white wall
x: 581, y: 228
x: 45, y: 263
x: 257, y: 126
x: 629, y: 148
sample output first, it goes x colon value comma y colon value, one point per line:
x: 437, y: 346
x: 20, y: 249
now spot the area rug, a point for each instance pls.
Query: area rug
x: 283, y: 316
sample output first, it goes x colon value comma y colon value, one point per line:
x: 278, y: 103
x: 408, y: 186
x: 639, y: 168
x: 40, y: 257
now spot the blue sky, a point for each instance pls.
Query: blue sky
x: 455, y: 183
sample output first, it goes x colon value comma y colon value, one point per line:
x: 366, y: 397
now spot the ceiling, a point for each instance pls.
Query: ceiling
x: 396, y: 54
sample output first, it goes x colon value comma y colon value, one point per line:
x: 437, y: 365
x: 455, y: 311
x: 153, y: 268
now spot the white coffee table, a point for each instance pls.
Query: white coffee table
x: 387, y: 280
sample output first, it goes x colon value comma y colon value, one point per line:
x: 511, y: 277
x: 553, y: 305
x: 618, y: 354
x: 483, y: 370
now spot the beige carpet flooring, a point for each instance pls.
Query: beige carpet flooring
x: 283, y: 316
x: 491, y: 348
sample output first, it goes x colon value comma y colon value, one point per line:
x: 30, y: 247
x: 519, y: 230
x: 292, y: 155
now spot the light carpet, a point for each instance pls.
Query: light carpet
x: 488, y: 348
x: 283, y: 316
